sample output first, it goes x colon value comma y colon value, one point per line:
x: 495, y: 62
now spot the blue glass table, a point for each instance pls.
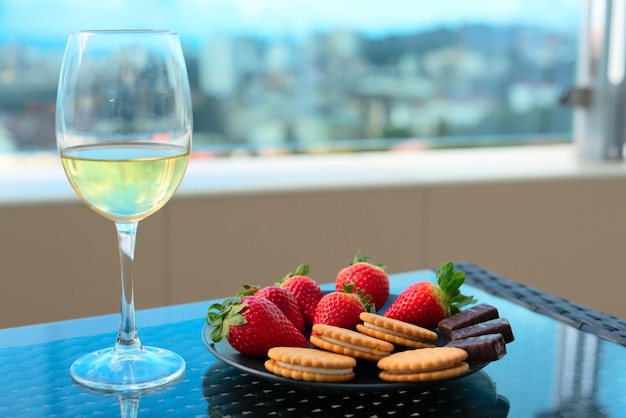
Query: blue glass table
x: 566, y: 361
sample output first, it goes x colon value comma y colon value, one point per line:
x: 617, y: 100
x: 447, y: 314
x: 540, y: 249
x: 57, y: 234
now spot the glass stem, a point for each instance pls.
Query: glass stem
x: 129, y: 405
x: 127, y: 338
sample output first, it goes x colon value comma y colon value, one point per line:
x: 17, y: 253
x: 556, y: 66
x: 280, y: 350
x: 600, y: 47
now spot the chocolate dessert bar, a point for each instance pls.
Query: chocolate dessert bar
x: 493, y: 326
x: 478, y: 313
x: 482, y: 348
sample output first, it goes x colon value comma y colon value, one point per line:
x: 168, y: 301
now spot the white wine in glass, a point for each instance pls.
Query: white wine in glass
x: 124, y: 127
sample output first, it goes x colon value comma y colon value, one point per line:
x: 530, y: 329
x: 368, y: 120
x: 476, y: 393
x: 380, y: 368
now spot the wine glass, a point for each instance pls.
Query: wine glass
x: 123, y: 128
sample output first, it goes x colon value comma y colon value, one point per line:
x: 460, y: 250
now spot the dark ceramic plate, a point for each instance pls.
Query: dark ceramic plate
x: 366, y: 373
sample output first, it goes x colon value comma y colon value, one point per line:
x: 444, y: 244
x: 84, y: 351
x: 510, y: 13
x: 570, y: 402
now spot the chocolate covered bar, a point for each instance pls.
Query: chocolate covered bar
x: 482, y: 348
x: 493, y: 326
x: 478, y: 313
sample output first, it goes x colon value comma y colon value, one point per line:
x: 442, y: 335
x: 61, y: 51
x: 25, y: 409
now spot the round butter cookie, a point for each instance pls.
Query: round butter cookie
x: 395, y: 331
x: 424, y: 364
x: 310, y: 364
x: 349, y: 342
x: 454, y: 371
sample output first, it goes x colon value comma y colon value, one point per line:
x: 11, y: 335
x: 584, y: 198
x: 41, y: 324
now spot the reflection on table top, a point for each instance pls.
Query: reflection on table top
x: 551, y: 369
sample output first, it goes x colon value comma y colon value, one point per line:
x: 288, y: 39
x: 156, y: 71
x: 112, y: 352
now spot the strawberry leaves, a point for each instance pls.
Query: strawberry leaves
x: 349, y: 288
x: 248, y: 290
x: 302, y: 270
x: 221, y: 315
x: 450, y: 282
x: 358, y: 258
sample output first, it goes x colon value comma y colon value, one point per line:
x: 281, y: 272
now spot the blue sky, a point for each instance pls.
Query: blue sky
x: 197, y: 19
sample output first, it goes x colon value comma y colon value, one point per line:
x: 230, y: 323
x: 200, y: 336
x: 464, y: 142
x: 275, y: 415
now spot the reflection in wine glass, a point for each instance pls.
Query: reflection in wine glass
x: 123, y: 126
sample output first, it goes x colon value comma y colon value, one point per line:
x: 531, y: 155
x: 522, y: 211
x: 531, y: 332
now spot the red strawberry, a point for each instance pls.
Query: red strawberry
x: 306, y: 291
x: 282, y: 298
x: 252, y: 325
x: 342, y: 308
x: 368, y: 278
x: 426, y: 303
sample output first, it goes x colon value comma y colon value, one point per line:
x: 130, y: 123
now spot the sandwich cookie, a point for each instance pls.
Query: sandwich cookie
x: 423, y: 364
x: 349, y: 342
x: 395, y: 331
x: 310, y: 364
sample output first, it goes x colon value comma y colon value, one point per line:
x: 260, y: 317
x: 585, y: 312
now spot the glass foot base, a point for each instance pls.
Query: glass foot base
x: 109, y: 370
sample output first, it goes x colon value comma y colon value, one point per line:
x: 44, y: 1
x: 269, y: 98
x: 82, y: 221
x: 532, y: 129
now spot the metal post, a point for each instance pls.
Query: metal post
x: 599, y: 94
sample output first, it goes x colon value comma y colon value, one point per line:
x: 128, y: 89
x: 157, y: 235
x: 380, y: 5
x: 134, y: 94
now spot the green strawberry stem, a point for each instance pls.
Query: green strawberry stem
x: 365, y: 299
x: 301, y: 270
x: 248, y: 290
x: 221, y: 315
x: 450, y: 282
x: 358, y: 258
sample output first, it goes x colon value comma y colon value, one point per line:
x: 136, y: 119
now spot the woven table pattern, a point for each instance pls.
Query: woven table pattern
x: 576, y: 315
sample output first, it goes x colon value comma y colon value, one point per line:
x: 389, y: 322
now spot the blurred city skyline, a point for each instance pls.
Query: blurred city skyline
x: 281, y: 74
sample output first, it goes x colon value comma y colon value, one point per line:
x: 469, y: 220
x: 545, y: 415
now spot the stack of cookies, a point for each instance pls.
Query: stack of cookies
x: 396, y: 332
x: 349, y: 342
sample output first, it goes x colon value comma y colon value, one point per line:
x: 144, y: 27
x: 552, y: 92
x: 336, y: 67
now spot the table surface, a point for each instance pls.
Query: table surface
x: 552, y: 369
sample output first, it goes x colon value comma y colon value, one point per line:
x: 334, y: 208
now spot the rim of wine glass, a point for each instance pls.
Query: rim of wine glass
x: 125, y: 31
